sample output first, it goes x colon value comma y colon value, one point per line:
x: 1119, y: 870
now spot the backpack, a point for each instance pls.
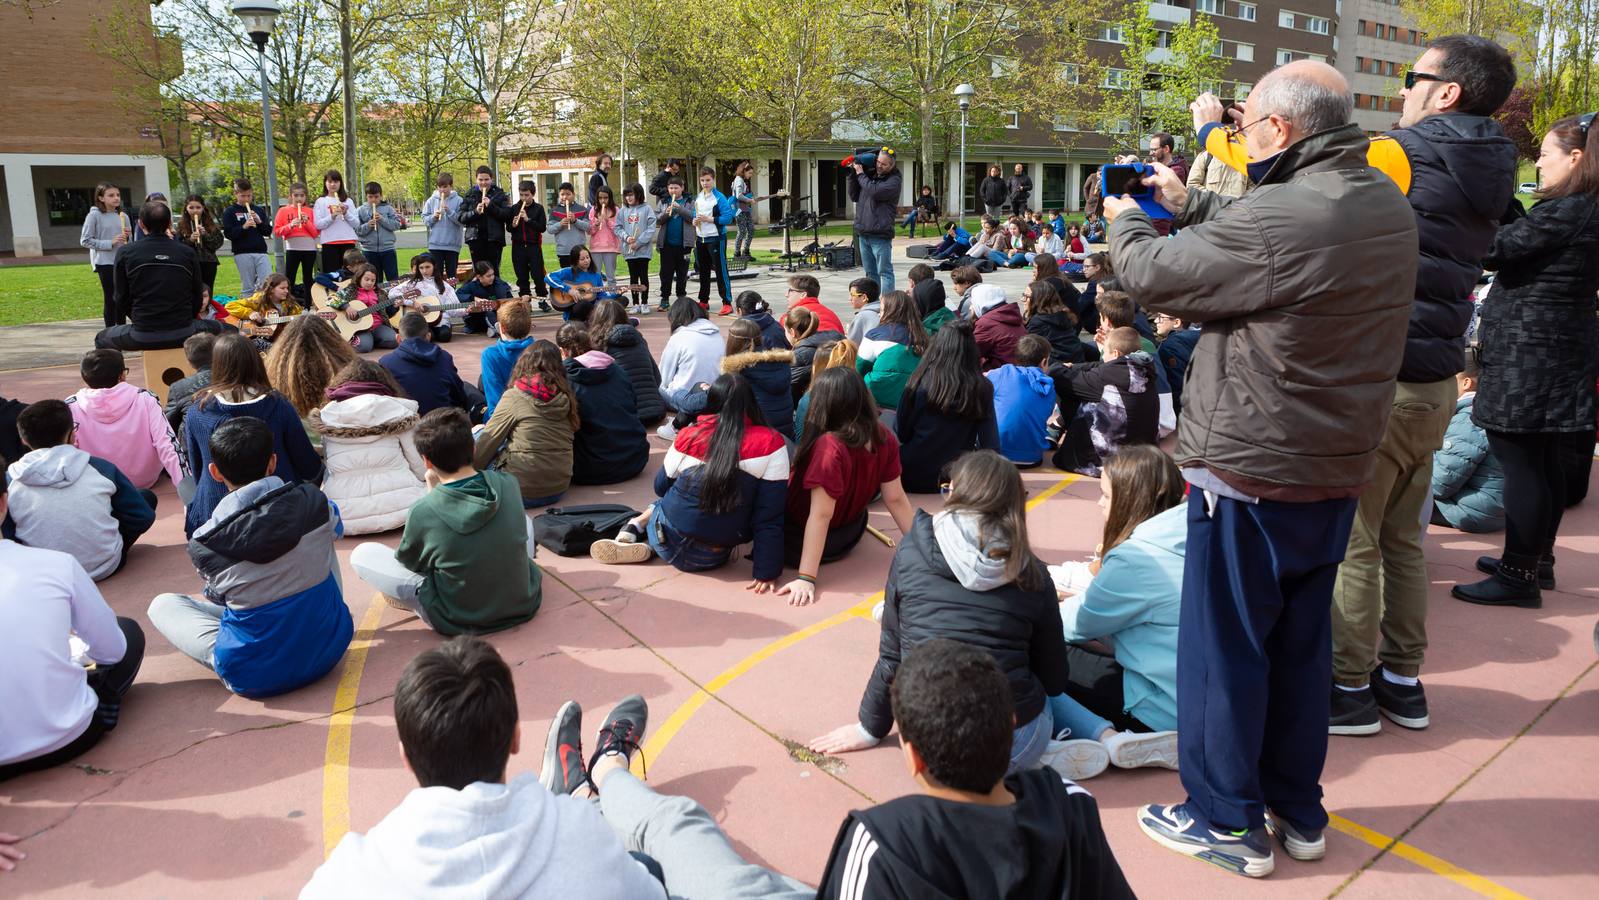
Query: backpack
x: 571, y: 530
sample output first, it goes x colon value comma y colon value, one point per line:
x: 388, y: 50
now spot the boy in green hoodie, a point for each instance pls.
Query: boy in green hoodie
x: 465, y: 561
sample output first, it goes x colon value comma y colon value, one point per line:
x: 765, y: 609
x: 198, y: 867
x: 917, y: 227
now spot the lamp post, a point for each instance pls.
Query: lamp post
x: 963, y: 96
x: 258, y: 17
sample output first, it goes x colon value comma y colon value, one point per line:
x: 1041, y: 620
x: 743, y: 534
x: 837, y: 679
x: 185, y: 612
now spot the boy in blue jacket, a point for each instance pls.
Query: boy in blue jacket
x: 516, y: 326
x: 713, y: 212
x: 272, y: 617
x: 1024, y: 399
x: 1468, y: 483
x: 956, y: 242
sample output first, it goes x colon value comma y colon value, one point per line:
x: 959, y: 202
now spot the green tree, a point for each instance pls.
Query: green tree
x: 506, y: 61
x: 1193, y: 68
x: 1129, y: 100
x: 425, y: 120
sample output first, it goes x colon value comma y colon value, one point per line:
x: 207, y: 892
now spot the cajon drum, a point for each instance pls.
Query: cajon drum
x: 463, y: 271
x: 162, y: 368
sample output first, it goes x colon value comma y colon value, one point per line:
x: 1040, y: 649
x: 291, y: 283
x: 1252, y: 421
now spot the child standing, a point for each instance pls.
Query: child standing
x: 465, y: 561
x: 484, y: 211
x: 635, y: 228
x: 569, y: 224
x: 527, y: 226
x: 744, y: 197
x: 296, y: 224
x: 335, y: 220
x: 376, y: 224
x: 247, y: 227
x: 123, y: 424
x: 444, y: 231
x: 272, y: 616
x: 104, y: 230
x: 374, y: 473
x: 674, y: 236
x: 200, y: 230
x: 604, y: 242
x: 1024, y: 399
x: 533, y: 427
x: 713, y: 212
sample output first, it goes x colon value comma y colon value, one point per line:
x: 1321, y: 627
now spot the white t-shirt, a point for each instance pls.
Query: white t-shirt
x: 705, y: 205
x: 45, y: 596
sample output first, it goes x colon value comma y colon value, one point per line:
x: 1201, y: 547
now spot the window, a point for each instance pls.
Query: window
x: 1243, y: 89
x: 1208, y: 6
x: 1012, y: 119
x: 1002, y: 66
x: 1065, y: 123
x: 566, y: 54
x: 1317, y: 25
x: 1163, y: 40
x: 565, y: 109
x: 1117, y: 79
x: 1246, y: 11
x: 1069, y: 73
x: 1285, y: 19
x: 1245, y: 53
x: 1111, y: 34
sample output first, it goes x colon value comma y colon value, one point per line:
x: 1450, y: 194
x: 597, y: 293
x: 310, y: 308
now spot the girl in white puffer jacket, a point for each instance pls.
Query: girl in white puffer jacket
x: 374, y: 472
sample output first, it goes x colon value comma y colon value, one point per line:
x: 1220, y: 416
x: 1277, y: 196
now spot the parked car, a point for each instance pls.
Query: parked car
x: 1527, y: 187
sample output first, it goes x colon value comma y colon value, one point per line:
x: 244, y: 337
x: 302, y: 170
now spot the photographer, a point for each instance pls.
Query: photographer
x: 875, y: 193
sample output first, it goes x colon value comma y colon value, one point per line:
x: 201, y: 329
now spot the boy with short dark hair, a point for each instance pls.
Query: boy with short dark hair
x: 674, y: 237
x: 484, y: 211
x: 180, y: 394
x: 62, y: 498
x: 123, y: 423
x: 568, y: 224
x: 805, y: 291
x: 485, y: 284
x: 713, y: 212
x: 439, y: 218
x: 516, y: 326
x: 528, y: 222
x: 426, y: 371
x: 247, y: 226
x: 1106, y: 405
x: 1118, y: 310
x: 1024, y: 399
x: 272, y: 616
x: 465, y: 562
x: 332, y: 280
x: 377, y: 223
x: 864, y: 298
x: 1177, y: 342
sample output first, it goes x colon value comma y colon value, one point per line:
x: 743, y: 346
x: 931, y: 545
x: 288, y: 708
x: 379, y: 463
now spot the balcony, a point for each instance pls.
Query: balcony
x: 1164, y: 12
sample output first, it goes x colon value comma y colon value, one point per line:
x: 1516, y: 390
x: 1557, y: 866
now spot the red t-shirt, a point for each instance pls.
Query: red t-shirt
x: 852, y: 476
x: 826, y: 319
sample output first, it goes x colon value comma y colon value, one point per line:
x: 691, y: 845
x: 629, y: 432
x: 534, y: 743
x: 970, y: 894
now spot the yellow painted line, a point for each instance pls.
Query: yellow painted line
x: 656, y: 744
x: 1471, y: 881
x: 336, y: 760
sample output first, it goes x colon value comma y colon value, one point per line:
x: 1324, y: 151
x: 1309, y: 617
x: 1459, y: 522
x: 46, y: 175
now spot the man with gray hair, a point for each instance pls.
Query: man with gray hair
x: 1278, y: 438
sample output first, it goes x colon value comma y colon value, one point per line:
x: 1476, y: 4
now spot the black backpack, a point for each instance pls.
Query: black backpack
x: 571, y: 530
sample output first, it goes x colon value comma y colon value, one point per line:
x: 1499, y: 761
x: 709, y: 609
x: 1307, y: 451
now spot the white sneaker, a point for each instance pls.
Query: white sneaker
x: 1076, y: 760
x: 644, y: 309
x: 615, y: 553
x: 1130, y: 750
x: 666, y: 432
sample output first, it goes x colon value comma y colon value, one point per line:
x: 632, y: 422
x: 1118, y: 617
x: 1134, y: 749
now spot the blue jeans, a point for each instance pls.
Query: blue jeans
x: 536, y: 502
x: 685, y: 553
x: 1254, y: 658
x: 387, y: 262
x: 687, y: 401
x: 947, y: 248
x: 1029, y: 742
x: 999, y: 259
x: 1079, y: 721
x: 877, y: 258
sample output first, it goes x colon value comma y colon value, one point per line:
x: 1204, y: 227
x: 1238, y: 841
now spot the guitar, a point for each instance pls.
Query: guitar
x: 268, y: 327
x: 433, y: 313
x: 780, y: 193
x: 588, y: 293
x: 364, y: 313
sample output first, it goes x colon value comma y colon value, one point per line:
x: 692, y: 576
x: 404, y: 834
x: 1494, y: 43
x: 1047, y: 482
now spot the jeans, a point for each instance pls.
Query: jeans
x: 687, y: 401
x: 1381, y: 591
x: 685, y: 553
x: 694, y: 855
x: 108, y: 292
x: 1094, y: 699
x: 1076, y: 721
x: 387, y: 262
x: 745, y: 220
x: 1028, y: 743
x: 253, y: 269
x: 1254, y: 649
x: 528, y: 262
x: 124, y: 337
x: 877, y: 258
x: 536, y: 502
x: 948, y: 248
x: 999, y: 258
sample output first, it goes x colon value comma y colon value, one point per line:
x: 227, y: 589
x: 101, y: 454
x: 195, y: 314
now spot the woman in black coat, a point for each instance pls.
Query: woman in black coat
x: 1537, y: 350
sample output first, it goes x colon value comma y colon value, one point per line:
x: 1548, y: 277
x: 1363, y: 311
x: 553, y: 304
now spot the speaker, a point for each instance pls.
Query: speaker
x: 839, y: 257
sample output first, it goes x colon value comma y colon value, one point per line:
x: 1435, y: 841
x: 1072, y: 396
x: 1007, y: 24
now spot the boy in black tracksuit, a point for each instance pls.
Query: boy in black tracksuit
x: 1107, y: 405
x: 485, y: 210
x: 527, y: 225
x: 971, y: 831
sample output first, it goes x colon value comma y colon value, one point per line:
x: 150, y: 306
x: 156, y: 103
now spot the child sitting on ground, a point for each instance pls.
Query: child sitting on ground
x: 55, y: 709
x: 611, y: 331
x: 426, y: 287
x: 180, y: 394
x: 1049, y: 317
x: 273, y: 300
x: 465, y: 561
x: 928, y: 292
x: 1117, y: 310
x: 64, y: 499
x: 302, y: 363
x: 803, y: 330
x: 1024, y: 399
x: 1177, y: 342
x: 1128, y: 596
x: 690, y: 361
x: 611, y: 445
x: 839, y: 354
x: 531, y: 432
x: 123, y: 424
x: 272, y: 617
x: 425, y: 371
x: 752, y: 307
x: 845, y: 459
x: 766, y: 371
x: 334, y: 282
x: 947, y: 410
x: 1468, y: 483
x: 1106, y: 405
x: 376, y: 332
x: 576, y: 288
x: 998, y: 325
x: 891, y: 351
x: 485, y: 284
x: 374, y: 474
x: 515, y: 326
x: 865, y: 297
x: 722, y: 485
x: 803, y: 291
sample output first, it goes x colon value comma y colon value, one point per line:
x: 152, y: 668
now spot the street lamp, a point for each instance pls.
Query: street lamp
x: 963, y: 96
x: 258, y: 17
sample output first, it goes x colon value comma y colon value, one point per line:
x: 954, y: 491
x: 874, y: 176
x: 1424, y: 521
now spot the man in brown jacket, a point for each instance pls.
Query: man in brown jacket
x: 1278, y: 437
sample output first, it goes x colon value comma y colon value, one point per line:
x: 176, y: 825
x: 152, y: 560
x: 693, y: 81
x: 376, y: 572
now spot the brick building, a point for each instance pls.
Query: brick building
x: 1255, y: 37
x: 63, y: 126
x: 1379, y: 42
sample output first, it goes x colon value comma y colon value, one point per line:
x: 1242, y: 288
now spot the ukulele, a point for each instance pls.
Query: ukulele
x: 268, y: 326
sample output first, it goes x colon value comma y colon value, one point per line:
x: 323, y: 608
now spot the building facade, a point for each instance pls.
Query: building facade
x: 64, y: 127
x: 1380, y: 42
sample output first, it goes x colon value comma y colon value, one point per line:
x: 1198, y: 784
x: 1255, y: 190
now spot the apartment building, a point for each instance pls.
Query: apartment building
x: 1379, y: 41
x: 63, y: 127
x: 1059, y: 155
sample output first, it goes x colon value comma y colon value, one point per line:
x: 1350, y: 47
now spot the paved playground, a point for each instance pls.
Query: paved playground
x: 202, y: 793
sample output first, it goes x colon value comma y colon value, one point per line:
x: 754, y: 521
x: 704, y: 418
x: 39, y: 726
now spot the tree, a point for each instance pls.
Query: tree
x: 151, y: 62
x: 506, y: 60
x: 1193, y: 68
x: 1129, y: 103
x: 1515, y: 117
x: 427, y: 121
x: 1514, y: 23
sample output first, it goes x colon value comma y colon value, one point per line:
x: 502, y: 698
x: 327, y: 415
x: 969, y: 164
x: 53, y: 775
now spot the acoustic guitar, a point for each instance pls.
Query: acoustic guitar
x: 364, y: 315
x: 433, y: 313
x: 588, y: 293
x: 268, y: 327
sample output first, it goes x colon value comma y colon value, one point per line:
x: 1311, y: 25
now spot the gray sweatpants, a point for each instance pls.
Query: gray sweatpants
x: 693, y: 852
x: 253, y: 269
x: 191, y: 623
x: 375, y: 564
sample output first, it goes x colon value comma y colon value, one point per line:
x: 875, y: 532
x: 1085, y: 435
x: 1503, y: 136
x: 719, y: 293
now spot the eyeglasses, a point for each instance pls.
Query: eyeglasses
x: 944, y: 489
x: 1238, y: 130
x: 1413, y: 76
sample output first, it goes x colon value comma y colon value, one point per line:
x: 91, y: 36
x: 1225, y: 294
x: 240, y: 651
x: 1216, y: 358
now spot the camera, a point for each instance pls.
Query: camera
x: 866, y: 158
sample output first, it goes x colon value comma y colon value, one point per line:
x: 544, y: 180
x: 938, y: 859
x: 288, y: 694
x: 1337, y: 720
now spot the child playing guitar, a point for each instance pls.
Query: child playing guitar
x: 575, y: 289
x: 424, y: 289
x: 366, y: 306
x: 273, y: 301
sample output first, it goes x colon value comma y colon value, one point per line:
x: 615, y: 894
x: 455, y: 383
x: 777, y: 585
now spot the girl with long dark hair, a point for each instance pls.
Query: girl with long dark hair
x: 892, y: 349
x: 604, y: 242
x: 335, y: 221
x: 199, y: 229
x: 946, y: 410
x: 425, y: 286
x: 722, y: 485
x: 752, y: 307
x: 1048, y: 316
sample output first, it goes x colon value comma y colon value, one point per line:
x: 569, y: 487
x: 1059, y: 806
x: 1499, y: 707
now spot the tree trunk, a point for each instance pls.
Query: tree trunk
x: 351, y: 175
x: 926, y: 150
x: 494, y: 142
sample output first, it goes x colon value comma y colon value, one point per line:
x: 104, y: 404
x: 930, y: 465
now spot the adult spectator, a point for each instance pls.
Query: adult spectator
x: 1163, y: 151
x: 1539, y: 332
x: 672, y: 169
x: 601, y: 177
x: 1019, y: 190
x: 1462, y: 170
x: 1211, y: 174
x: 876, y: 197
x: 157, y: 287
x: 992, y: 192
x: 1270, y: 509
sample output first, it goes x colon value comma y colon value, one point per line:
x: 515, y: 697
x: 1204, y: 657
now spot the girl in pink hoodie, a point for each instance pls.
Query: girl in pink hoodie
x: 123, y: 423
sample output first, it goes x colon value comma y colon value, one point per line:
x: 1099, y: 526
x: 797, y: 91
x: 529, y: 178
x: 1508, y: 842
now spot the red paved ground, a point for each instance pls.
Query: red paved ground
x: 200, y: 793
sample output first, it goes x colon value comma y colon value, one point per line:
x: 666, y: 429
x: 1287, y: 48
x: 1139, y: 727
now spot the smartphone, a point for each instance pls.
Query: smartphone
x: 1126, y: 179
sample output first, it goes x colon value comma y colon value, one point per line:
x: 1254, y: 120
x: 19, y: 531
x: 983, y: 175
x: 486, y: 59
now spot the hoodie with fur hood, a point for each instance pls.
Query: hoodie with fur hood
x: 61, y: 498
x: 125, y: 426
x: 374, y: 473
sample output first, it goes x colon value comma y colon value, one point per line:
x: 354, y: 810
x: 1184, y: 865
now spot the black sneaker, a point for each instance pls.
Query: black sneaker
x: 623, y: 731
x: 1500, y: 589
x: 544, y: 305
x: 1403, y: 704
x: 1489, y: 565
x: 1353, y: 712
x: 1245, y: 852
x: 563, y: 769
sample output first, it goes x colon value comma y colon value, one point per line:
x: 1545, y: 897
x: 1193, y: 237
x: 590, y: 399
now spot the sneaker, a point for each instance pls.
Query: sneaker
x: 563, y: 770
x: 1353, y: 712
x: 1076, y: 759
x: 727, y: 309
x: 1131, y: 750
x: 1489, y: 565
x: 644, y: 309
x: 623, y: 730
x: 1500, y: 589
x: 666, y: 432
x: 1404, y: 704
x: 544, y: 306
x: 1246, y: 852
x: 630, y: 534
x: 618, y: 552
x: 1305, y: 846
